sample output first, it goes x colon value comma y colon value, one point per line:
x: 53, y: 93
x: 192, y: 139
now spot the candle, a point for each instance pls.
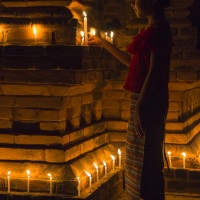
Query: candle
x: 85, y: 27
x: 90, y: 181
x: 35, y: 33
x: 106, y: 34
x: 50, y: 182
x: 97, y: 172
x: 120, y: 158
x: 105, y: 168
x: 79, y: 186
x: 82, y: 37
x: 9, y: 182
x: 111, y: 37
x: 170, y: 160
x: 113, y: 159
x: 28, y: 183
x: 92, y: 31
x: 184, y: 156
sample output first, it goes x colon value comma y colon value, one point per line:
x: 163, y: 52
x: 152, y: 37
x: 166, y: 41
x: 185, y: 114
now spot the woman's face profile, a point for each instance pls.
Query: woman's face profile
x: 141, y: 7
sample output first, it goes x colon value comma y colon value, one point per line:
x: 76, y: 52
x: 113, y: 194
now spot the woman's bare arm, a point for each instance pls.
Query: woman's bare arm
x: 122, y: 56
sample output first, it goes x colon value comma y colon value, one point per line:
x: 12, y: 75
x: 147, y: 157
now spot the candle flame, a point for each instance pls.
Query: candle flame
x: 119, y: 152
x: 111, y: 34
x: 113, y: 158
x: 84, y: 13
x: 34, y: 31
x: 78, y: 178
x: 106, y: 33
x: 49, y: 175
x: 104, y: 163
x: 95, y: 165
x: 82, y: 33
x: 28, y: 172
x: 183, y: 154
x: 8, y: 173
x: 87, y: 173
x: 169, y: 153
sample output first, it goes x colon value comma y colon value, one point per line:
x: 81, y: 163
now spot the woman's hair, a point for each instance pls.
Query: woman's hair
x: 164, y: 3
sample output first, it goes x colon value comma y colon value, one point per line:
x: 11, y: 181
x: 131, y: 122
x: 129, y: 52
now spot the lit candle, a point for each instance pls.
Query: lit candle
x: 90, y: 181
x: 120, y: 158
x: 28, y: 183
x: 106, y: 34
x: 184, y: 156
x: 92, y: 31
x: 113, y: 159
x: 35, y: 32
x: 111, y: 37
x: 79, y: 186
x: 82, y: 37
x: 50, y: 182
x: 97, y: 172
x: 105, y: 168
x: 170, y: 160
x: 85, y: 27
x: 9, y: 182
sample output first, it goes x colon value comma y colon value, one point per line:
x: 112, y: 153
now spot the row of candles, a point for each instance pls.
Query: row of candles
x: 183, y: 155
x: 84, y: 33
x: 97, y: 172
x: 79, y: 180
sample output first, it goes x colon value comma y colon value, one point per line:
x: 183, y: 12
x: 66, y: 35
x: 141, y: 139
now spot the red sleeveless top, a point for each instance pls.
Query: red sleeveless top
x: 156, y: 38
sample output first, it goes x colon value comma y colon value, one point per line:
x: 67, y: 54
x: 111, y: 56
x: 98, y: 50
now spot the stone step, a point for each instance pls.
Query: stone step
x: 64, y: 175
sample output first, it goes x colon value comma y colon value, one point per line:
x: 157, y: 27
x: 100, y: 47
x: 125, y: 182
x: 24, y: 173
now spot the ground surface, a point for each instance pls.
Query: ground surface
x: 169, y: 196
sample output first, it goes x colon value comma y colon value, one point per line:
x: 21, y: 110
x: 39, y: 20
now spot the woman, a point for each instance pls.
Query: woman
x: 147, y: 80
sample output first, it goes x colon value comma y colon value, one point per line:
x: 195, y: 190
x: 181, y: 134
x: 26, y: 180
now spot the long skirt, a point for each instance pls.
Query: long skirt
x: 144, y: 163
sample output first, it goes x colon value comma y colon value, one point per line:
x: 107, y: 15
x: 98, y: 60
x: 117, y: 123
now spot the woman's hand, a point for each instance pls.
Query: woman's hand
x: 139, y: 122
x: 94, y: 40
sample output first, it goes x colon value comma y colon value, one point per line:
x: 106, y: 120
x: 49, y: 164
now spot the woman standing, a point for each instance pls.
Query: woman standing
x: 147, y: 80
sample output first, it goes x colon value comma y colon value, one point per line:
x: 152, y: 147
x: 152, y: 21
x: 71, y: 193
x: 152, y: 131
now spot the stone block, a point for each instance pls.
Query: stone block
x: 70, y: 62
x: 6, y: 113
x: 181, y: 174
x: 117, y: 136
x: 22, y: 154
x: 88, y: 131
x: 116, y: 126
x: 53, y: 126
x: 39, y: 102
x: 15, y: 50
x: 52, y: 115
x: 6, y: 124
x: 76, y: 135
x: 87, y: 98
x: 97, y: 114
x: 111, y: 114
x: 112, y: 104
x: 117, y: 95
x: 100, y: 140
x: 187, y: 75
x: 87, y: 146
x: 45, y: 62
x: 19, y: 62
x: 26, y: 114
x: 125, y: 115
x: 54, y: 156
x: 99, y: 127
x: 125, y: 104
x: 22, y: 89
x: 194, y: 175
x: 63, y: 50
x: 72, y: 153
